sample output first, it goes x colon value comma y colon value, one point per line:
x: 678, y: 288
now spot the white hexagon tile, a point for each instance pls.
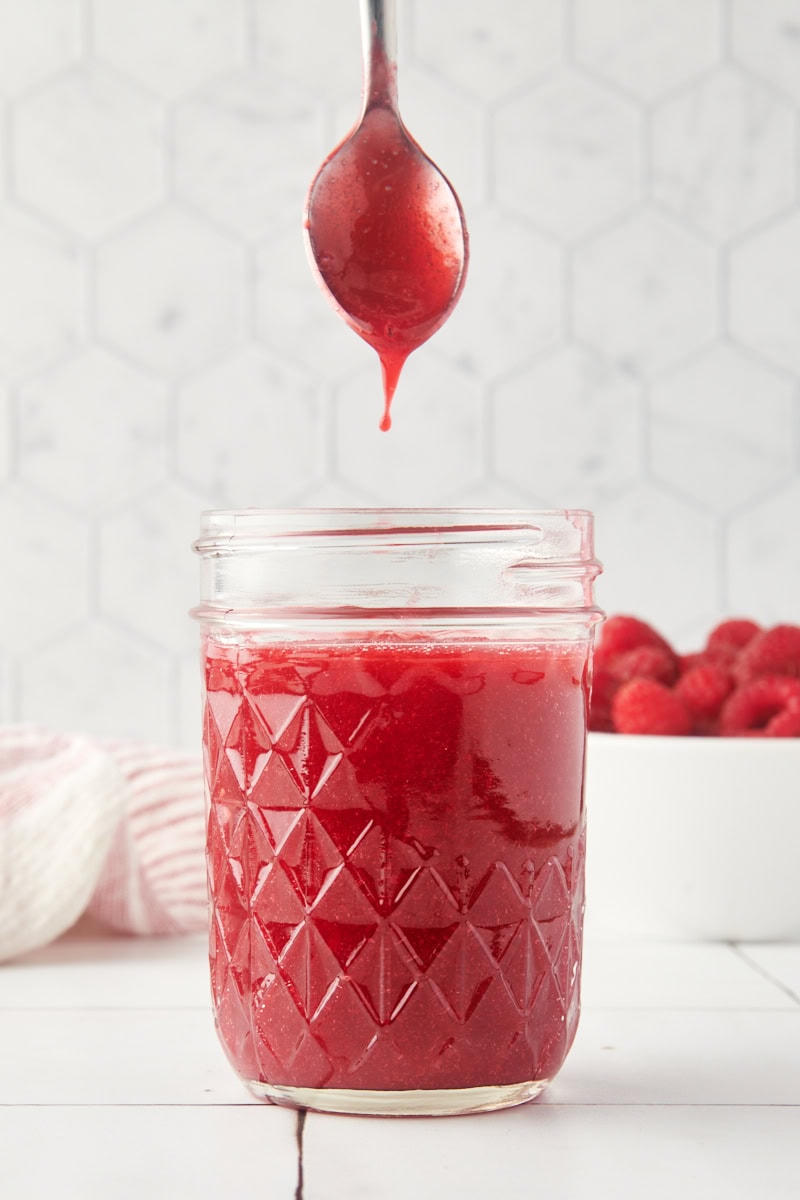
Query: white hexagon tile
x: 710, y: 441
x: 38, y: 40
x: 89, y: 151
x: 724, y: 154
x: 490, y: 51
x: 250, y: 184
x: 765, y: 292
x: 645, y: 293
x: 147, y: 576
x: 88, y: 402
x: 42, y: 294
x: 170, y: 46
x: 648, y: 49
x: 568, y: 154
x: 97, y: 680
x: 515, y: 271
x: 434, y: 447
x: 249, y: 432
x: 627, y: 337
x: 588, y: 416
x: 325, y: 64
x: 766, y: 38
x: 170, y: 292
x: 49, y: 585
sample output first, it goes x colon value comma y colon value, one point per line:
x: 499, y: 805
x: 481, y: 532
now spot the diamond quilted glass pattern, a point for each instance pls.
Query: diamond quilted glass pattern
x: 383, y: 916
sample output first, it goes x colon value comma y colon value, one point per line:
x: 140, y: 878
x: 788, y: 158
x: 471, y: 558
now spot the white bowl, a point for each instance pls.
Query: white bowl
x: 692, y: 837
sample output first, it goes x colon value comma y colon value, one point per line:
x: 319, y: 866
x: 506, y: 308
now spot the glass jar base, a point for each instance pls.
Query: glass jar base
x: 443, y: 1102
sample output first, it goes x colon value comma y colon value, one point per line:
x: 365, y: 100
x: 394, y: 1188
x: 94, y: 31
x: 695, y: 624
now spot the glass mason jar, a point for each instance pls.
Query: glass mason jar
x: 394, y: 737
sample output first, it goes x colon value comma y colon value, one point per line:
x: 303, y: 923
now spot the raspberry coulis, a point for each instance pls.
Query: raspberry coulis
x: 386, y: 233
x: 395, y: 852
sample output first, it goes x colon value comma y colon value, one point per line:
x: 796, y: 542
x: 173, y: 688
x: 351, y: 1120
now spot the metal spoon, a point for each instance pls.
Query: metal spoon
x: 384, y: 228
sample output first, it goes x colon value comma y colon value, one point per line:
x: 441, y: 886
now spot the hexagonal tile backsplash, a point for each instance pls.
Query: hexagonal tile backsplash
x: 628, y: 340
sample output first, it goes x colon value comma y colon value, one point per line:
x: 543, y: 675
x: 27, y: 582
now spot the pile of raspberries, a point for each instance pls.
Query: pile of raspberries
x: 744, y: 683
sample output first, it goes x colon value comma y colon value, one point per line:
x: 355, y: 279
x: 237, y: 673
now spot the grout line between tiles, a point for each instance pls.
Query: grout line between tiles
x: 6, y: 1104
x: 301, y: 1124
x: 765, y: 974
x: 97, y: 1008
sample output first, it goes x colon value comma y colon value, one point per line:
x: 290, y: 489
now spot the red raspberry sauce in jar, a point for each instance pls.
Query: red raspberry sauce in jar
x: 395, y: 850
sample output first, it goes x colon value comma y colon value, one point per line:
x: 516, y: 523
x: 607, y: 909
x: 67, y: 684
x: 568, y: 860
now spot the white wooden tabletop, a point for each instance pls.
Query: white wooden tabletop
x: 684, y: 1081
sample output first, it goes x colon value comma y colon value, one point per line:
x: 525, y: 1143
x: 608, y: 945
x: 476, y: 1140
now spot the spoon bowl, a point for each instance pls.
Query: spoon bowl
x: 385, y: 230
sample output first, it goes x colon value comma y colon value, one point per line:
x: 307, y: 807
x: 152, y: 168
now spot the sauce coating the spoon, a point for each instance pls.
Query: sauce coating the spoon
x: 386, y: 232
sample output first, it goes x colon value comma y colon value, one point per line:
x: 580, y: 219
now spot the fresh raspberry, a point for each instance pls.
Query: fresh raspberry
x: 736, y: 632
x: 786, y: 724
x: 604, y: 686
x: 753, y: 708
x: 646, y: 706
x: 773, y: 651
x: 622, y: 633
x: 644, y: 662
x: 704, y: 688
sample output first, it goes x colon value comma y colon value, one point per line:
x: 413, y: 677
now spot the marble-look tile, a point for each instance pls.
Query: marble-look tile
x: 123, y: 408
x: 645, y: 293
x: 163, y: 1151
x: 6, y: 439
x: 647, y: 538
x: 659, y: 1056
x: 570, y: 1152
x: 170, y: 292
x: 763, y: 557
x: 780, y: 964
x: 641, y: 974
x: 295, y: 319
x: 118, y: 685
x: 249, y: 431
x: 170, y: 47
x: 37, y: 40
x: 189, y: 724
x: 765, y: 292
x: 486, y: 56
x: 433, y: 447
x: 721, y: 429
x: 90, y: 968
x: 765, y: 36
x: 319, y: 49
x: 512, y: 304
x: 724, y: 154
x: 148, y: 574
x: 50, y: 553
x: 336, y: 493
x: 42, y: 294
x: 7, y: 713
x: 647, y: 49
x: 245, y: 151
x: 568, y: 154
x: 89, y: 151
x: 163, y: 1056
x: 587, y: 415
x: 495, y: 493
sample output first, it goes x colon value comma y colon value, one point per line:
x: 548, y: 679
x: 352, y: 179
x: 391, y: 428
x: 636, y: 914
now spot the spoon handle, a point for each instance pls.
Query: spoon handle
x: 379, y: 41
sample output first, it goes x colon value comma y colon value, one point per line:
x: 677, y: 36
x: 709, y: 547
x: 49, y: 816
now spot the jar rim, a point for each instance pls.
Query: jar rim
x: 225, y: 526
x: 410, y: 560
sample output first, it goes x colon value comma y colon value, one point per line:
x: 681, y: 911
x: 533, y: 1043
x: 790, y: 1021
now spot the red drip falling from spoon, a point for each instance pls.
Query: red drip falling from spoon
x: 384, y: 228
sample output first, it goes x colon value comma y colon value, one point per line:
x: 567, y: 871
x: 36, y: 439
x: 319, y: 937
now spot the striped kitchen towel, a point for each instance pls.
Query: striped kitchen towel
x: 114, y: 829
